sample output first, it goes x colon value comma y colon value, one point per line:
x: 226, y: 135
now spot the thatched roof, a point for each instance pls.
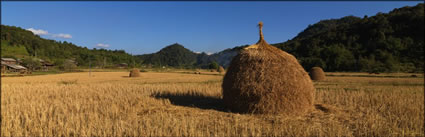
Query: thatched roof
x: 265, y: 79
x: 8, y: 59
x: 15, y: 66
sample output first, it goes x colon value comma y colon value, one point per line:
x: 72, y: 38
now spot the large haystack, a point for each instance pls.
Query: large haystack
x: 317, y: 73
x: 220, y: 69
x: 135, y: 73
x: 266, y: 80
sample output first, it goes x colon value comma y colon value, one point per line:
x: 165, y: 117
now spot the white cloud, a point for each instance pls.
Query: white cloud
x: 208, y: 53
x: 38, y: 31
x: 101, y: 45
x: 45, y: 32
x: 61, y: 35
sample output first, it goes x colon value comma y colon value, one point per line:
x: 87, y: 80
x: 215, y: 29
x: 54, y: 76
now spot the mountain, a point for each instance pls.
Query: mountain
x: 20, y: 43
x: 174, y: 55
x: 381, y: 43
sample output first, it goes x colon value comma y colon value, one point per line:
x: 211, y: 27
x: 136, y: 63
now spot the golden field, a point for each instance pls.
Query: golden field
x: 186, y: 104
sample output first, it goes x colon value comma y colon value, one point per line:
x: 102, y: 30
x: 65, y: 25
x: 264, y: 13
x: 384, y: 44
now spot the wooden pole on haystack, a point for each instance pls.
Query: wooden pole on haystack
x: 260, y: 25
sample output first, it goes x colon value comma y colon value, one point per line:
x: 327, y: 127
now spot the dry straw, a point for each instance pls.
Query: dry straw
x: 135, y: 73
x: 266, y: 80
x: 317, y: 73
x: 220, y: 69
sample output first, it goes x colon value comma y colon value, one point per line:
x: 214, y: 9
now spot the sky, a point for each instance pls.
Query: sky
x: 141, y: 27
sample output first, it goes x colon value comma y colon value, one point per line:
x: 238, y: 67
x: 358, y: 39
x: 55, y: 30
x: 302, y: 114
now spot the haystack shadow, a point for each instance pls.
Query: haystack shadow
x: 193, y: 100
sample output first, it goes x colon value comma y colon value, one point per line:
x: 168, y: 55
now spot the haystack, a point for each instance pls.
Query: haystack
x: 135, y: 73
x: 317, y: 73
x: 266, y: 80
x: 220, y: 69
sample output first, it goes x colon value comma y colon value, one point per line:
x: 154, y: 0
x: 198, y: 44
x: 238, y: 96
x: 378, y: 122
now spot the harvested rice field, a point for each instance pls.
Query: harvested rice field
x: 188, y: 104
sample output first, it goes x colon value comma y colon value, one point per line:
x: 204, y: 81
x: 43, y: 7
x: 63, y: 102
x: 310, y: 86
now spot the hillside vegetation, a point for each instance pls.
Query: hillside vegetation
x: 17, y: 42
x: 384, y: 42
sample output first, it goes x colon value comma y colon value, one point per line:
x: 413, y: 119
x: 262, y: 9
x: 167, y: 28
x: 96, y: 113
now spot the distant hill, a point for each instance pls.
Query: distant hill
x: 174, y: 55
x: 20, y: 43
x: 223, y: 58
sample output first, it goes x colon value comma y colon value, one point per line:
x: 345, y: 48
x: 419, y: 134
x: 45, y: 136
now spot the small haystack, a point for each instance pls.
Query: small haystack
x: 220, y: 69
x: 264, y: 79
x: 135, y: 73
x: 317, y: 73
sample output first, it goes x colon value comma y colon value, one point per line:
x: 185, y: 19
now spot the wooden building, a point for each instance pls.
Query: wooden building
x: 10, y: 66
x: 8, y: 61
x: 45, y: 65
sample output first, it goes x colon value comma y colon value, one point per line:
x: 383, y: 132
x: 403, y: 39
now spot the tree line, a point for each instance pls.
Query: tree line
x: 20, y: 43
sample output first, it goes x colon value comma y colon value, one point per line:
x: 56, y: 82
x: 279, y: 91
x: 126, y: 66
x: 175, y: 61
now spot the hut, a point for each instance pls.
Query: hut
x: 9, y: 65
x: 45, y: 65
x: 8, y: 61
x: 317, y: 74
x: 263, y: 79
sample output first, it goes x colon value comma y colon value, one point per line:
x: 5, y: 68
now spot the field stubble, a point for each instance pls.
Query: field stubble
x: 183, y: 104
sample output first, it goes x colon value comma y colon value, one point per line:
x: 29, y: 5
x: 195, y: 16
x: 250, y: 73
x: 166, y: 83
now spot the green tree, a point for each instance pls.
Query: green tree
x: 213, y: 65
x: 69, y: 65
x: 31, y: 63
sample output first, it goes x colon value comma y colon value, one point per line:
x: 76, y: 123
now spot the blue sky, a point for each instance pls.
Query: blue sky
x: 147, y: 27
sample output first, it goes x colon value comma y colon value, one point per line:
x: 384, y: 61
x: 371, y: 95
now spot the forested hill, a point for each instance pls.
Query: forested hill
x: 20, y: 43
x: 174, y: 55
x: 385, y: 42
